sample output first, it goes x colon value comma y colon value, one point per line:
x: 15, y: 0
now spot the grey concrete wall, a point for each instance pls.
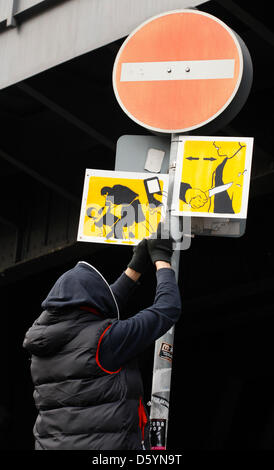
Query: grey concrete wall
x: 69, y: 29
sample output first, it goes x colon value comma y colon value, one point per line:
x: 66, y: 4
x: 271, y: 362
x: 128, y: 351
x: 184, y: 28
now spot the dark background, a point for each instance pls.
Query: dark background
x: 58, y: 123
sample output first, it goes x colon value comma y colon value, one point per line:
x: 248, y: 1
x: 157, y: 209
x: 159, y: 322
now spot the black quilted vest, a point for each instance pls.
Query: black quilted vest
x: 80, y: 405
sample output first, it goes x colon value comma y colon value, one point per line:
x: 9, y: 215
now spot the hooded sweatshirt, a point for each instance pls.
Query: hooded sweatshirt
x: 88, y: 387
x: 80, y: 286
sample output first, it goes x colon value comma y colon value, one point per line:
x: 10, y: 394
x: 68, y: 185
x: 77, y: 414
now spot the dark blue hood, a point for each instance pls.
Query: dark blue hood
x: 82, y: 285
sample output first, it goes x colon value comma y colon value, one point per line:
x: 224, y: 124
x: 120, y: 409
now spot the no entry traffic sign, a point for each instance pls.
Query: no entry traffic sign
x: 178, y: 71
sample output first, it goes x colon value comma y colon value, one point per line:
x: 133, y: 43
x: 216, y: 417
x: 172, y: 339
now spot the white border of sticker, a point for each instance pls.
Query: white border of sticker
x: 115, y: 174
x: 179, y: 168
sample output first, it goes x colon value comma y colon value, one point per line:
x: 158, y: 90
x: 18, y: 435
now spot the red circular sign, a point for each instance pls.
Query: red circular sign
x: 178, y: 71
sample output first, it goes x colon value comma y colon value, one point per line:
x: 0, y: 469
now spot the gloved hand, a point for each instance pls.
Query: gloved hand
x: 160, y: 249
x: 140, y: 259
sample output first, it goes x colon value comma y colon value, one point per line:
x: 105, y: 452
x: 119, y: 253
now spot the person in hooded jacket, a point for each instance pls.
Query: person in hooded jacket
x: 87, y: 385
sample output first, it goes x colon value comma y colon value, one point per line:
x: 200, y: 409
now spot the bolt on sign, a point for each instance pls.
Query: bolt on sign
x: 179, y: 71
x: 212, y: 176
x: 121, y: 207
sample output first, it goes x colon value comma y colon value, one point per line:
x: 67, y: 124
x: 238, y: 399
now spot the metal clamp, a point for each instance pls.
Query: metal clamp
x: 172, y: 165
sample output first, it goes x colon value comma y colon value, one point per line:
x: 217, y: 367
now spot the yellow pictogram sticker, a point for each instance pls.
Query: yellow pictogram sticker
x: 121, y: 207
x: 212, y: 177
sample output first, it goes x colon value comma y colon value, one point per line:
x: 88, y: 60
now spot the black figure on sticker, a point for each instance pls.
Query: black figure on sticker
x: 131, y: 208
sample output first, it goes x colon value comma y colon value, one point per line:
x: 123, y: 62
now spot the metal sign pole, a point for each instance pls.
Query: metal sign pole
x: 162, y: 368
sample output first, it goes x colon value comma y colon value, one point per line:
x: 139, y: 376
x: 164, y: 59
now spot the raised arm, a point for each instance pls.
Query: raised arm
x: 125, y: 285
x: 128, y: 338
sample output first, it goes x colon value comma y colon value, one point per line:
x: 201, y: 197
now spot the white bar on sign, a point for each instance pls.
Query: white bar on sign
x: 178, y: 70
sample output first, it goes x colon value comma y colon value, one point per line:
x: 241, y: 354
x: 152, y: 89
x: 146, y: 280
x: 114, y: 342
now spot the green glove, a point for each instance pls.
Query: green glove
x: 140, y: 259
x: 160, y: 249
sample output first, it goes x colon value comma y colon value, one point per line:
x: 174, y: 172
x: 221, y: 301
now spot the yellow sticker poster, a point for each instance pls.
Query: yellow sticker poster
x: 212, y: 176
x: 121, y: 207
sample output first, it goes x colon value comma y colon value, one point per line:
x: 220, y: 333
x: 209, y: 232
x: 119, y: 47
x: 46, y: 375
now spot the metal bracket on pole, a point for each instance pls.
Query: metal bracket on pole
x: 162, y: 368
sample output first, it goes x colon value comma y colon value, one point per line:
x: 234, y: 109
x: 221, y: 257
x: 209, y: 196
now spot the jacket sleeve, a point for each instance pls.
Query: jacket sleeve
x: 125, y: 339
x: 183, y: 189
x: 122, y: 289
